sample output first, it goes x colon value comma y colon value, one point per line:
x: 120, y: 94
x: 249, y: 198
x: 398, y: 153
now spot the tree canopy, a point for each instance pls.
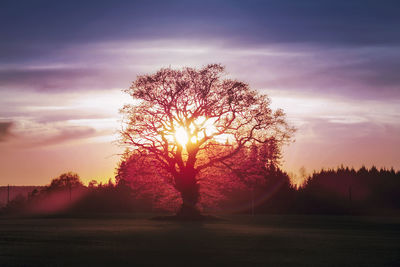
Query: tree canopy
x: 65, y: 180
x: 191, y: 119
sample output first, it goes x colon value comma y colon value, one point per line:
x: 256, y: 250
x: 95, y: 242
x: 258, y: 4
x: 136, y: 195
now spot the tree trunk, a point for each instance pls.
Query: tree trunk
x: 186, y: 184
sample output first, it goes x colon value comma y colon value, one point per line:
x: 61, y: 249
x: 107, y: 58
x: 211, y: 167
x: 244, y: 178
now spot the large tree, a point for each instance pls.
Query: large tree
x: 191, y: 119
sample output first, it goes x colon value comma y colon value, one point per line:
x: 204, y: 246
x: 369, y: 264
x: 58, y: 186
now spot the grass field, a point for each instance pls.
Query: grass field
x: 237, y: 241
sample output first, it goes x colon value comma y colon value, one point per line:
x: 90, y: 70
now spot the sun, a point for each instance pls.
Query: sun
x: 181, y: 136
x: 205, y: 127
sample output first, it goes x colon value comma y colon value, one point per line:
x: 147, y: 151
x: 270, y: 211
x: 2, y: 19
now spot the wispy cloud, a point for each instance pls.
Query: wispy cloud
x: 5, y: 130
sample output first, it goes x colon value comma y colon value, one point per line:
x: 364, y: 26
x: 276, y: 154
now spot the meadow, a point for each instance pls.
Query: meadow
x: 237, y: 240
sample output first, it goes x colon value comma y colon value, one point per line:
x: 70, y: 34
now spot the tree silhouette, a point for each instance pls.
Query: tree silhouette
x: 65, y: 181
x: 149, y: 185
x: 191, y: 119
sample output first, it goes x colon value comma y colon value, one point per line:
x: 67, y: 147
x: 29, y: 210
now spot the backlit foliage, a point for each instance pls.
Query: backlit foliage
x: 189, y: 120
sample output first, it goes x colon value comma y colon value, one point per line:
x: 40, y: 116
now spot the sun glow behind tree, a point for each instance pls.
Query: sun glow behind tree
x: 198, y: 130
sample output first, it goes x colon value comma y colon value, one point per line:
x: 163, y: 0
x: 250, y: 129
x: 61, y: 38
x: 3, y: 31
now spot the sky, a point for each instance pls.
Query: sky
x: 332, y: 66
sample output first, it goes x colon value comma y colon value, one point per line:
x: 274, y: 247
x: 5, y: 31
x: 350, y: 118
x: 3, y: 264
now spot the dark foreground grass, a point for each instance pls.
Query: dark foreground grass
x: 237, y: 241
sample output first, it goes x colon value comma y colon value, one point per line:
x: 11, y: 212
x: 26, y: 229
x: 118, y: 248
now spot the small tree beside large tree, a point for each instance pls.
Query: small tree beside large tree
x: 188, y: 120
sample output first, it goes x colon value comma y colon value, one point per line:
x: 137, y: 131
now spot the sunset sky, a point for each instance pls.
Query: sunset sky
x: 333, y: 66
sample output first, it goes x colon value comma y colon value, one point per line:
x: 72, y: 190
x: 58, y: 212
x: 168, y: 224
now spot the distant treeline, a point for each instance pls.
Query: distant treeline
x: 67, y: 194
x: 349, y: 191
x: 343, y: 190
x: 335, y: 191
x: 8, y: 193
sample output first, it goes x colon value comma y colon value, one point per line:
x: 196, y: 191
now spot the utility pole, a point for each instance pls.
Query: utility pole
x: 8, y: 194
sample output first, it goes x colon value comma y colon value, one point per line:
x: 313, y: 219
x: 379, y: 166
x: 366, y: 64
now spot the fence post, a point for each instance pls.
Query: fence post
x: 252, y: 201
x: 350, y: 193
